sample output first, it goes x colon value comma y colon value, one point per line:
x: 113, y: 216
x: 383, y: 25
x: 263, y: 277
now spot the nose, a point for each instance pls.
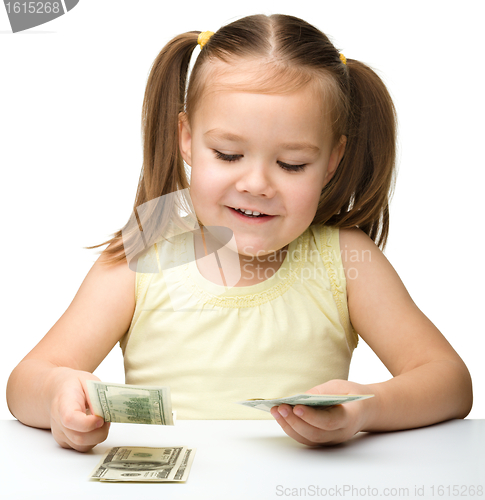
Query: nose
x: 256, y: 180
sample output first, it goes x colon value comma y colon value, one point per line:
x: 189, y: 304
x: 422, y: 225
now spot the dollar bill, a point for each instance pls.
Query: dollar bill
x: 183, y: 471
x: 315, y: 400
x: 136, y: 463
x: 131, y: 403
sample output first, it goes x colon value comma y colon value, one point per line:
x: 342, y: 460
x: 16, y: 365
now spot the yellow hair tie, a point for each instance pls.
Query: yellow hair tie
x: 343, y: 59
x: 203, y: 38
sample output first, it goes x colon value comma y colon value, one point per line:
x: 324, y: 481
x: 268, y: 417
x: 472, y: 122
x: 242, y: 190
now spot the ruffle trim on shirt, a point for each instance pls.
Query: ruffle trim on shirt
x: 299, y: 257
x: 142, y: 278
x: 140, y: 284
x: 338, y: 291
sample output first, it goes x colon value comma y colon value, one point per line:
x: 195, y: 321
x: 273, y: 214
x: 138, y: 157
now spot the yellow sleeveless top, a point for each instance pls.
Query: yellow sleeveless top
x: 277, y: 338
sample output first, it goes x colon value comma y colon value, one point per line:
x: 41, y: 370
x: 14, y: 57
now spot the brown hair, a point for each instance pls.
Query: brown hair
x: 293, y: 53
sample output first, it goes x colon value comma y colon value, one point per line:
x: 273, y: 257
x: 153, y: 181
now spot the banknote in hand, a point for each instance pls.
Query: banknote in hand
x: 315, y: 400
x: 131, y: 403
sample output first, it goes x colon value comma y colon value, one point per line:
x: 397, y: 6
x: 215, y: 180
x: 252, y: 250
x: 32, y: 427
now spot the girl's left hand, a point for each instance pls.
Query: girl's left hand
x: 326, y: 426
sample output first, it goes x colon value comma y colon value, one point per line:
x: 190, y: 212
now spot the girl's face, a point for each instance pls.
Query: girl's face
x: 267, y: 153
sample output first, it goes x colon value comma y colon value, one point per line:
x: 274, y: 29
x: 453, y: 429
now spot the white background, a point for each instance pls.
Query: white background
x: 71, y: 93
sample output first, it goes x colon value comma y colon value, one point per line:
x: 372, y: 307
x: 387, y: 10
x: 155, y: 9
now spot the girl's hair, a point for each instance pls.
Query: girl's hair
x: 281, y: 54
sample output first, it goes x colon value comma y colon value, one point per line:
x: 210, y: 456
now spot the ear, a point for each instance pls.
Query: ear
x: 335, y: 158
x: 185, y: 138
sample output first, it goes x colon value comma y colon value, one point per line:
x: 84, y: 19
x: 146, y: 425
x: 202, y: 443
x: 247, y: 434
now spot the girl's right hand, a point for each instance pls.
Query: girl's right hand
x: 72, y: 424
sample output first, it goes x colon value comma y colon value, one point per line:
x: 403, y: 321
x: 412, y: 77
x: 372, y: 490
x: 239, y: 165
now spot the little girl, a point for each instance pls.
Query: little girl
x: 262, y: 289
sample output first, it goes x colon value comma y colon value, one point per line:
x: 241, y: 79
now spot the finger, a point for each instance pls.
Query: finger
x: 314, y: 434
x: 86, y: 395
x: 72, y: 412
x: 88, y: 440
x: 307, y: 431
x: 328, y: 419
x: 60, y: 438
x: 77, y: 420
x: 288, y: 429
x: 64, y: 442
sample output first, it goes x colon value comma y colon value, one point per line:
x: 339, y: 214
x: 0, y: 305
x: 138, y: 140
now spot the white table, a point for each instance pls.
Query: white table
x: 254, y: 460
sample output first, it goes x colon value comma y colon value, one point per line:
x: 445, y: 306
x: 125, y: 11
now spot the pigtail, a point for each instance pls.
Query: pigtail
x: 359, y: 193
x: 164, y: 99
x: 163, y: 168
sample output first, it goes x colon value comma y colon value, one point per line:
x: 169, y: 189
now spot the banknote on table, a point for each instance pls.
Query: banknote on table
x: 136, y: 463
x: 131, y: 403
x: 315, y: 400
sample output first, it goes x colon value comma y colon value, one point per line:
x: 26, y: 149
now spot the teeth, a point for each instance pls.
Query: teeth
x: 248, y: 212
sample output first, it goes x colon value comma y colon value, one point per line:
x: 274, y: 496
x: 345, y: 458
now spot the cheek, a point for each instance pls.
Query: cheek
x: 206, y: 187
x: 204, y: 180
x: 303, y: 197
x: 306, y: 207
x: 209, y: 175
x: 202, y: 166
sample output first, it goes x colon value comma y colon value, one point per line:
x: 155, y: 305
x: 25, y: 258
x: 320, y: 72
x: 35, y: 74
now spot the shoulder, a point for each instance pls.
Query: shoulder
x: 356, y: 249
x: 360, y: 253
x: 371, y: 279
x: 355, y: 238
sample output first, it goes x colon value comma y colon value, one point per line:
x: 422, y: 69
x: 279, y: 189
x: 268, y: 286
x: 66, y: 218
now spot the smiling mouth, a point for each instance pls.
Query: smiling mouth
x: 251, y: 213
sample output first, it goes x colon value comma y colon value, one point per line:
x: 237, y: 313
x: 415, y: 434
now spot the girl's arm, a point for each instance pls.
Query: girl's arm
x: 430, y: 381
x: 47, y: 389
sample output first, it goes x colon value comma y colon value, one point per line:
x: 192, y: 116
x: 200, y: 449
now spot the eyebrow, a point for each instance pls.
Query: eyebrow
x: 291, y: 146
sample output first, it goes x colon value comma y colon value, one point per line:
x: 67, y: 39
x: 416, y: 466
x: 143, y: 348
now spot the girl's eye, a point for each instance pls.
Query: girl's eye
x: 224, y: 157
x: 285, y: 166
x: 293, y: 168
